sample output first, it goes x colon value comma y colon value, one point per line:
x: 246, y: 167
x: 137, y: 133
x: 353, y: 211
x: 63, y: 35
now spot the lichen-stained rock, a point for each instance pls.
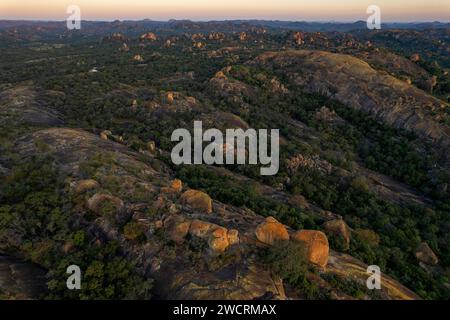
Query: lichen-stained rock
x: 178, y: 230
x: 338, y: 227
x: 85, y: 185
x: 175, y: 187
x: 271, y: 231
x: 201, y: 229
x: 249, y: 281
x: 233, y: 237
x: 426, y: 255
x: 317, y: 245
x: 218, y: 240
x: 197, y: 200
x: 102, y: 203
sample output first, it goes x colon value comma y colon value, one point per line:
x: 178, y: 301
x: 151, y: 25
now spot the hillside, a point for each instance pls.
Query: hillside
x: 86, y: 176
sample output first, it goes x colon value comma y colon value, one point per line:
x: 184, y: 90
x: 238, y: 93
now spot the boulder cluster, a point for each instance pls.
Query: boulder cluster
x: 316, y: 242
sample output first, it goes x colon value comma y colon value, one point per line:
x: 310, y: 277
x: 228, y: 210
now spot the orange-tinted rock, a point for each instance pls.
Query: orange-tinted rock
x: 179, y: 231
x: 271, y: 231
x: 415, y: 57
x: 233, y: 237
x: 177, y: 185
x: 150, y: 36
x: 170, y: 97
x: 201, y: 229
x: 218, y: 240
x: 317, y: 245
x: 197, y: 200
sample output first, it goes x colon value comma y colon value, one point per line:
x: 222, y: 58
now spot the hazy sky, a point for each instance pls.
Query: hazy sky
x: 337, y: 10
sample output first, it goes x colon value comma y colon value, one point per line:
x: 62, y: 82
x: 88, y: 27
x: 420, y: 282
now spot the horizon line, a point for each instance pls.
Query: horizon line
x: 222, y: 20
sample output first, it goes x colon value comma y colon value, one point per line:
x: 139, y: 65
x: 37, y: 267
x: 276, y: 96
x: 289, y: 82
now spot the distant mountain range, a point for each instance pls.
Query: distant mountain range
x: 272, y: 24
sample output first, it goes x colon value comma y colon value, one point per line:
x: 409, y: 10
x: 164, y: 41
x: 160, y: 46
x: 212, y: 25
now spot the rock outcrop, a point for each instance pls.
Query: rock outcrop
x: 149, y: 36
x: 316, y: 244
x: 271, y: 231
x: 102, y: 203
x: 197, y: 200
x: 338, y: 228
x: 218, y: 240
x: 20, y: 279
x: 426, y: 255
x: 175, y: 187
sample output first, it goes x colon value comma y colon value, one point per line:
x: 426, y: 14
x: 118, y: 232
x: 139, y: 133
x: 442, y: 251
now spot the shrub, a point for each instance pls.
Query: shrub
x: 134, y: 231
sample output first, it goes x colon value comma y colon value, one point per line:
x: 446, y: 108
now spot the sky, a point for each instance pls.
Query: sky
x: 307, y: 10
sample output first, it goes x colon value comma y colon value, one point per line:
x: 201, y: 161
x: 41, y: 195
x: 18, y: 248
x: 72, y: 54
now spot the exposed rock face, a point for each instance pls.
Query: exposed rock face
x: 198, y: 45
x: 149, y: 36
x: 197, y: 36
x: 317, y: 246
x: 104, y: 135
x: 21, y: 105
x: 218, y: 240
x: 314, y: 162
x: 354, y: 83
x: 250, y: 281
x: 349, y: 267
x: 339, y: 228
x: 21, y: 280
x: 138, y: 58
x: 298, y: 38
x: 216, y: 36
x: 175, y: 187
x: 101, y: 201
x: 327, y: 115
x: 179, y: 231
x: 415, y: 57
x: 115, y: 37
x: 233, y: 237
x: 223, y: 86
x: 271, y: 231
x: 275, y: 86
x: 197, y: 200
x: 124, y: 47
x: 201, y: 229
x: 426, y: 255
x: 85, y: 185
x: 170, y: 97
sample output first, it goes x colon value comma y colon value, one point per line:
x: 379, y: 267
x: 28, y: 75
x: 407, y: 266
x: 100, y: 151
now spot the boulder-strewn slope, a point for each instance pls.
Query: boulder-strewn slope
x: 198, y: 269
